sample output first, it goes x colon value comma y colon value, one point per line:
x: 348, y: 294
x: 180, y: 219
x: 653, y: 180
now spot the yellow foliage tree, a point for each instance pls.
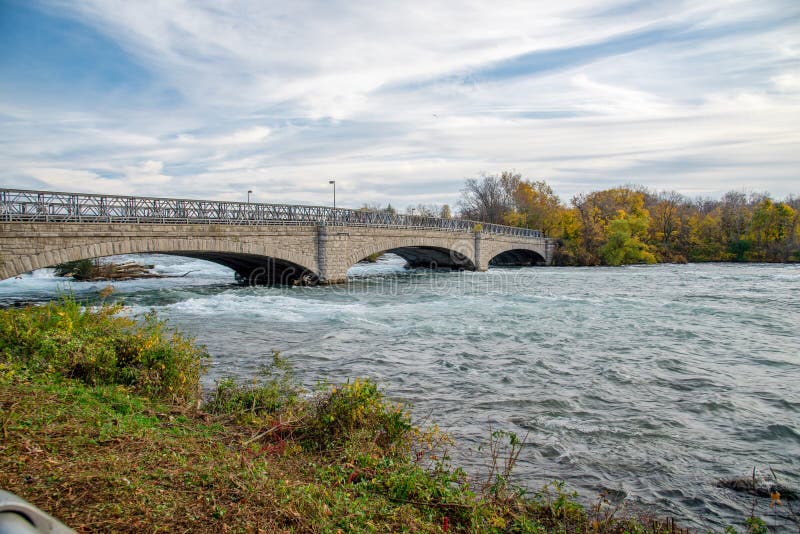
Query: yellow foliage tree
x: 536, y: 206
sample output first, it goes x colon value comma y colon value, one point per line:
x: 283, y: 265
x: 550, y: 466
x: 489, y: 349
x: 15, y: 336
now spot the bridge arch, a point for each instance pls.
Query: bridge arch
x: 517, y: 257
x: 508, y: 254
x: 253, y: 262
x: 428, y: 253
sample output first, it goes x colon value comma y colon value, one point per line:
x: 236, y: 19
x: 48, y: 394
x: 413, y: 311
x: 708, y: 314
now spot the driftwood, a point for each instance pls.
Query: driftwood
x: 124, y: 271
x: 88, y: 270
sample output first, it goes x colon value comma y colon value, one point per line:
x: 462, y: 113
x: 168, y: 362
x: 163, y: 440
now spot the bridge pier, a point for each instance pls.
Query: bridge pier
x: 481, y: 262
x: 331, y: 267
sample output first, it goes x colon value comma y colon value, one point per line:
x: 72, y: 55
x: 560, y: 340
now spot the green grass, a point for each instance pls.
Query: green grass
x: 102, y: 427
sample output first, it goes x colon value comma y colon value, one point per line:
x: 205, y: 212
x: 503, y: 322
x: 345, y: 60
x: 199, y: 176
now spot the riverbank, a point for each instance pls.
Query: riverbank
x: 104, y: 427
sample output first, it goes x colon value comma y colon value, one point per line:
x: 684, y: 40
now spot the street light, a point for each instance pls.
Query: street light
x: 333, y: 183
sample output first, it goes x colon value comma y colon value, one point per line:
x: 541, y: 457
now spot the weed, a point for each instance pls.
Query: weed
x: 355, y: 405
x: 275, y: 389
x: 504, y: 450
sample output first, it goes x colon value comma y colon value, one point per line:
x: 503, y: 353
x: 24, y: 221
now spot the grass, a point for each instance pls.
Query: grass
x: 102, y: 427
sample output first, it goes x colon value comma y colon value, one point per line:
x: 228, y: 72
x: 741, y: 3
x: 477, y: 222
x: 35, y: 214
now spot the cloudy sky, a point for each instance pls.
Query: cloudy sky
x: 397, y: 101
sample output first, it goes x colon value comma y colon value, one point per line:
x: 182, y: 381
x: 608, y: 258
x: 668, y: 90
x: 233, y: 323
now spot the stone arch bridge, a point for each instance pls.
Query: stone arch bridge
x: 262, y: 243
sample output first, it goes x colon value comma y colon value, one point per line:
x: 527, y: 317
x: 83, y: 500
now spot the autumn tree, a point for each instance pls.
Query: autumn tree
x: 772, y: 231
x: 631, y: 224
x: 670, y: 213
x: 597, y: 210
x: 707, y: 240
x: 535, y: 206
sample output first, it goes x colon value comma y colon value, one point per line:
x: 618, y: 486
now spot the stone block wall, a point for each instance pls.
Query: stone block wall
x: 326, y: 251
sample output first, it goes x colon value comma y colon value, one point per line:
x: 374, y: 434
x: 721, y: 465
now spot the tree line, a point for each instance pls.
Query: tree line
x: 632, y: 224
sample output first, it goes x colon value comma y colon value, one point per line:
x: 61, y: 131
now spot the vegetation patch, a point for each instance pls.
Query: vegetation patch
x: 98, y: 346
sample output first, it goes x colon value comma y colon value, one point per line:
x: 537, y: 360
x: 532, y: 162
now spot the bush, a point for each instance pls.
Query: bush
x: 353, y: 406
x: 98, y: 346
x: 276, y: 390
x: 80, y: 270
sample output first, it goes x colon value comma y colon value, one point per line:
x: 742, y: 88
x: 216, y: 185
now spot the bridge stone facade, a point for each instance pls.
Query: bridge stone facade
x: 291, y: 253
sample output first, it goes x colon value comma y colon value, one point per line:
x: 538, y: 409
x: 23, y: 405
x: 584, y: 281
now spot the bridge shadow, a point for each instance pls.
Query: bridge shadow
x: 517, y: 258
x: 431, y: 258
x: 251, y: 269
x: 248, y: 269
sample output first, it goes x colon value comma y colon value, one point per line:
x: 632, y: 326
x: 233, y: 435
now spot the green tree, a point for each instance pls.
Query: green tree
x: 706, y: 239
x: 624, y: 244
x: 596, y: 211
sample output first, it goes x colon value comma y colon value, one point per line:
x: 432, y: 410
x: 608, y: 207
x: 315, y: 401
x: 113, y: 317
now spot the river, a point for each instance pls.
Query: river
x: 656, y: 381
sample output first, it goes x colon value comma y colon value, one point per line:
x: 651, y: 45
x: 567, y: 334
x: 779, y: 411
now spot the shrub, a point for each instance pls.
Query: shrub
x: 358, y: 405
x: 80, y: 270
x: 276, y: 390
x: 98, y: 346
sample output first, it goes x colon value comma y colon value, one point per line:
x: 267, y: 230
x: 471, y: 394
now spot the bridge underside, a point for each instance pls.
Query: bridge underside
x: 517, y: 257
x: 258, y: 270
x: 433, y: 258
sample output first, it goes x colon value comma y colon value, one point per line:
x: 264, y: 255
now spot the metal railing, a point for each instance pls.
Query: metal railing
x: 20, y: 205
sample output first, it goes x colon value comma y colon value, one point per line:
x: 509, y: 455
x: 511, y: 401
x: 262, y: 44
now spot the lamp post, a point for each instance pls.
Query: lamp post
x: 333, y: 183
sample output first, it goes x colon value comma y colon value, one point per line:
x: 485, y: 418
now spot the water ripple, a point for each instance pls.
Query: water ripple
x: 653, y: 381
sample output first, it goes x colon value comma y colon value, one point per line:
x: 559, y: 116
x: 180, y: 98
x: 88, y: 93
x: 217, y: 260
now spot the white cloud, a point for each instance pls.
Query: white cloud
x: 788, y: 82
x: 247, y: 136
x: 58, y: 179
x: 700, y: 97
x: 148, y: 173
